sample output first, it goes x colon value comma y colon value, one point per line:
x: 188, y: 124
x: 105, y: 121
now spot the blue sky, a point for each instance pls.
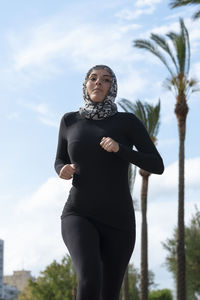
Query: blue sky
x: 46, y: 49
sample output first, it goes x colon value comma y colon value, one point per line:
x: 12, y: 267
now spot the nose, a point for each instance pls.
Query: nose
x: 98, y: 81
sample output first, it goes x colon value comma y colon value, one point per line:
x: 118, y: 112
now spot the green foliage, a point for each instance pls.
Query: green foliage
x: 175, y: 58
x: 151, y: 277
x: 147, y: 113
x: 164, y: 294
x: 133, y: 283
x: 177, y: 3
x: 192, y: 246
x: 56, y: 282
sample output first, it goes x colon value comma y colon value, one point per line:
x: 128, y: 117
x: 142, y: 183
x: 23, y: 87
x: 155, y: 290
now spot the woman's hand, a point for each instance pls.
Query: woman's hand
x: 67, y: 171
x: 109, y: 144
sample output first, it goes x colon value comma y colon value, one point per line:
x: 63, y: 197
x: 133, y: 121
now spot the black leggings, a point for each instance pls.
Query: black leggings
x: 100, y: 255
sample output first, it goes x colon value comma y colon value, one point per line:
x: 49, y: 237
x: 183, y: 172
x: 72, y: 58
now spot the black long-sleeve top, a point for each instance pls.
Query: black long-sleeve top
x: 100, y: 183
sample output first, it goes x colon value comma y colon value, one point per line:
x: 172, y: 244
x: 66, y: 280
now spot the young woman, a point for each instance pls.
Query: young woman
x: 95, y: 147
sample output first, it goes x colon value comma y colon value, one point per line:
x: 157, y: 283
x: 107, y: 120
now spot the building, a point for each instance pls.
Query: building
x: 10, y: 292
x: 19, y: 279
x: 1, y: 269
x: 11, y: 285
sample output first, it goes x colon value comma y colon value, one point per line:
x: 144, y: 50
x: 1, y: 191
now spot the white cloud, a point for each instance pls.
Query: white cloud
x: 140, y: 8
x: 174, y: 15
x: 174, y: 26
x: 167, y: 142
x: 142, y: 3
x: 131, y: 14
x: 45, y: 46
x: 130, y: 27
x: 135, y: 84
x: 131, y: 84
x: 165, y: 186
x: 48, y: 122
x: 39, y: 46
x: 13, y: 115
x: 196, y: 70
x: 43, y: 111
x: 44, y: 197
x: 41, y: 108
x: 34, y: 229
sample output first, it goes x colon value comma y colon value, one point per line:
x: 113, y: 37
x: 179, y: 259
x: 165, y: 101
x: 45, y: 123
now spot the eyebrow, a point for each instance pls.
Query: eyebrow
x: 96, y: 75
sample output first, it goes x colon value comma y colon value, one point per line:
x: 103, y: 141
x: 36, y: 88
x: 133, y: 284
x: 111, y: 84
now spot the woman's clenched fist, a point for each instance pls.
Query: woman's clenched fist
x: 109, y: 144
x: 67, y: 171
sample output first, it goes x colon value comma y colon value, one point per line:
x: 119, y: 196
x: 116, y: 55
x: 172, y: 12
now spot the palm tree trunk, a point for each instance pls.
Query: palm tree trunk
x: 74, y: 286
x: 74, y: 293
x: 181, y: 111
x: 125, y: 286
x: 144, y: 237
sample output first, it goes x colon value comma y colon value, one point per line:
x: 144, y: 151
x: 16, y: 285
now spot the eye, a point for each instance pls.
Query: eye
x: 107, y: 80
x: 92, y: 78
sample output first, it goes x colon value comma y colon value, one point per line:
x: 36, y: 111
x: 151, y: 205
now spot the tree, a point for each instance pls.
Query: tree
x: 177, y: 62
x: 125, y: 285
x: 149, y: 115
x: 178, y: 3
x: 133, y: 283
x: 27, y: 294
x: 164, y: 294
x: 192, y: 246
x: 56, y: 282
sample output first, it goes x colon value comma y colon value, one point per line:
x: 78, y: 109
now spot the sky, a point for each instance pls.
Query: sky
x: 46, y: 48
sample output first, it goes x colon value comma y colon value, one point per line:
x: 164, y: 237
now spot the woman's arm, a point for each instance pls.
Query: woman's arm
x: 62, y: 156
x: 151, y: 162
x: 146, y: 157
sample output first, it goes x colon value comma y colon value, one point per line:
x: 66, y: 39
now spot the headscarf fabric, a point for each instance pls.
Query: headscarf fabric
x: 106, y: 108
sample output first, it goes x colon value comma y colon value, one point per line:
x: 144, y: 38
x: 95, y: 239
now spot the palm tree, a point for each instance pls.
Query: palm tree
x: 177, y: 62
x: 125, y: 286
x: 177, y: 3
x: 131, y: 181
x: 149, y: 115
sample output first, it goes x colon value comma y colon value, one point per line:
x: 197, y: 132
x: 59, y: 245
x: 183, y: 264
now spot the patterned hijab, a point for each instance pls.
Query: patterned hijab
x: 104, y: 109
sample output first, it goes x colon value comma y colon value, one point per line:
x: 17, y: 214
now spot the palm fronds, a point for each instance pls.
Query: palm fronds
x: 161, y: 41
x: 147, y: 113
x: 178, y: 3
x: 148, y: 45
x: 175, y: 58
x: 196, y: 15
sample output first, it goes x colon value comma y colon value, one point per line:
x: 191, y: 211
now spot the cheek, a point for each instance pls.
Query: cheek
x: 107, y: 89
x: 88, y: 87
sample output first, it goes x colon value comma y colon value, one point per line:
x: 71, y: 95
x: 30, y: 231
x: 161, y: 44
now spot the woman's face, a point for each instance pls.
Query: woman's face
x: 98, y: 84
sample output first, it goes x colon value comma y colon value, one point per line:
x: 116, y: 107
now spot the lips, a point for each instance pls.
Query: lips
x: 97, y: 90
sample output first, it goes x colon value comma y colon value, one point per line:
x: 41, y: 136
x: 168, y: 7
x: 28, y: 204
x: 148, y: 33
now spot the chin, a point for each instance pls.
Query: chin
x: 97, y: 100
